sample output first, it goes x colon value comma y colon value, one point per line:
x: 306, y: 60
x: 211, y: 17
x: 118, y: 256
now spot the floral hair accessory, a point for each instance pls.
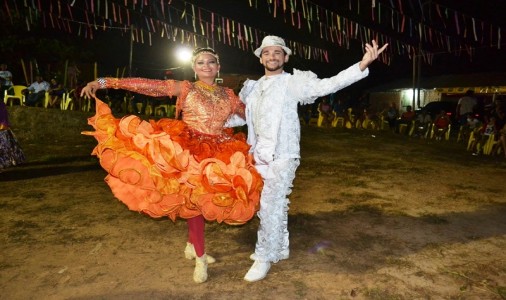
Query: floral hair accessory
x: 199, y: 51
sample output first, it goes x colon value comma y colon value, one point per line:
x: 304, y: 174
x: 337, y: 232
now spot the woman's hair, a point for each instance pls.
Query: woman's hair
x: 199, y: 51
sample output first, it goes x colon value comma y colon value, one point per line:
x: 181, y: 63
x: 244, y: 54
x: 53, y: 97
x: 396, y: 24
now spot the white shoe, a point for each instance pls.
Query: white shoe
x: 200, y: 272
x: 258, y: 271
x: 189, y: 253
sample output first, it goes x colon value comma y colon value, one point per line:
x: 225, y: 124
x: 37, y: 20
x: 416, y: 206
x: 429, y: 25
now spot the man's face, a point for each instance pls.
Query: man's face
x: 273, y: 58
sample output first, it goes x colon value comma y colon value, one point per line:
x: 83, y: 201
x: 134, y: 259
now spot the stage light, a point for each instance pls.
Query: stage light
x: 184, y: 54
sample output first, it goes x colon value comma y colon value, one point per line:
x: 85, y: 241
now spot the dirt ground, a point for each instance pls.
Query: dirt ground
x: 373, y: 215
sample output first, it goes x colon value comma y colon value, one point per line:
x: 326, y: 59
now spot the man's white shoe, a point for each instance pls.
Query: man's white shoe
x: 258, y: 271
x: 189, y: 253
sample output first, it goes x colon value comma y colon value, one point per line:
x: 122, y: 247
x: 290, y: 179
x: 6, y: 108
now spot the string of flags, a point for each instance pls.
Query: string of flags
x: 187, y: 23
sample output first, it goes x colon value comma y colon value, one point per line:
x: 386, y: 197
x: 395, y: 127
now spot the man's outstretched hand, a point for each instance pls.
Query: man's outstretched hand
x: 371, y: 54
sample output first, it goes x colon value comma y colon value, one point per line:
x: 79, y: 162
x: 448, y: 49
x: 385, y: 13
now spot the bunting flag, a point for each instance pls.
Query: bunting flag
x: 186, y: 22
x: 460, y: 29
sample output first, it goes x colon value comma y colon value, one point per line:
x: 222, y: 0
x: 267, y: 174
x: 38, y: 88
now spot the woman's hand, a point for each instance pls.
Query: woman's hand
x: 90, y: 89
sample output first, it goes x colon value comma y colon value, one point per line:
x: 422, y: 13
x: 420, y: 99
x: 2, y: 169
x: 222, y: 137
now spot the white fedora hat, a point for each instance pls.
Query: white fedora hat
x: 272, y: 40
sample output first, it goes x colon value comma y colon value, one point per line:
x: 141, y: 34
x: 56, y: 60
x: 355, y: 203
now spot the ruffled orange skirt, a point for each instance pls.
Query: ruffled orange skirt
x: 161, y: 168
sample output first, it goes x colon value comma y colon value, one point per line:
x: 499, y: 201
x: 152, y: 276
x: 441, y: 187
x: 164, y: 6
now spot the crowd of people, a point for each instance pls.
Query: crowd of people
x: 482, y: 127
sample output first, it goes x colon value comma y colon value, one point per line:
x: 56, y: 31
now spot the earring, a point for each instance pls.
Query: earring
x: 218, y: 75
x: 195, y: 76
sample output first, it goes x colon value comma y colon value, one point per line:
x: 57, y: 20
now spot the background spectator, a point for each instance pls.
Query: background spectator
x: 422, y: 123
x: 466, y: 105
x: 5, y: 80
x: 56, y: 92
x: 36, y: 92
x: 441, y: 125
x: 392, y: 115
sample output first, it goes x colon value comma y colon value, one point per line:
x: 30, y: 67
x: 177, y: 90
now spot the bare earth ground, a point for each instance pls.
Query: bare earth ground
x: 373, y: 215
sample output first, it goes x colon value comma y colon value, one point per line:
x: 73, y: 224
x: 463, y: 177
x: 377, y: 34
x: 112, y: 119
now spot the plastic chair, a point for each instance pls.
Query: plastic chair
x: 428, y: 130
x: 471, y: 141
x: 86, y: 104
x: 163, y: 110
x: 402, y: 128
x: 67, y: 101
x: 18, y: 95
x: 447, y: 134
x: 460, y: 135
x: 489, y: 145
x: 412, y: 128
x: 384, y: 123
x: 313, y: 120
x: 350, y: 119
x: 337, y: 121
x: 47, y: 97
x: 319, y: 122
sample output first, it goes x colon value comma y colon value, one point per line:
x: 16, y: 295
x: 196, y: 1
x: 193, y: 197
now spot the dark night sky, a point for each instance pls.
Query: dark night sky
x: 486, y: 58
x: 112, y: 48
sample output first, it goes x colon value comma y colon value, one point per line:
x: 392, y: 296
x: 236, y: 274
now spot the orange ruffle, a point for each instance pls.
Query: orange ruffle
x: 162, y: 168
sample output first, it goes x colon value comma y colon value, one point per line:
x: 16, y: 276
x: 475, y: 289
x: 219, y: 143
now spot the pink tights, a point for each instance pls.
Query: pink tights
x: 196, y: 234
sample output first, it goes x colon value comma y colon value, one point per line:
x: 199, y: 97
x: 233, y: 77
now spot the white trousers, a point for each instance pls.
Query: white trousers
x: 272, y: 240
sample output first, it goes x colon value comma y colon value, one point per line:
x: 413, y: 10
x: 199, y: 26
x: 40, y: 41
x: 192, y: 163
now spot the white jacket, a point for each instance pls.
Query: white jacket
x: 271, y: 109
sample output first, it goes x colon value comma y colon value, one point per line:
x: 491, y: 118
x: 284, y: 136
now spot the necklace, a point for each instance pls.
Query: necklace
x: 205, y: 86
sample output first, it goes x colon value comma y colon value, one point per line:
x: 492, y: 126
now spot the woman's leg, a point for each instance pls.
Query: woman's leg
x: 196, y: 237
x: 196, y: 227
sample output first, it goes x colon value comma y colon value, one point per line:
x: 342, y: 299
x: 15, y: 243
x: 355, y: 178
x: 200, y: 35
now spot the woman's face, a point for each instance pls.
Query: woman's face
x: 206, y: 66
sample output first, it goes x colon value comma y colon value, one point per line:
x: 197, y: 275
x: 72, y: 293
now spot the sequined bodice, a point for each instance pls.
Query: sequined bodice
x: 206, y: 108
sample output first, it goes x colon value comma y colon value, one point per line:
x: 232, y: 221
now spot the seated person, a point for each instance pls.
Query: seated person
x: 367, y: 119
x: 349, y: 118
x: 483, y: 134
x: 406, y: 118
x: 472, y: 125
x: 139, y: 99
x: 338, y: 108
x: 158, y: 110
x: 56, y: 92
x: 441, y: 125
x: 5, y: 81
x: 326, y: 111
x: 422, y: 123
x: 36, y: 92
x: 117, y: 99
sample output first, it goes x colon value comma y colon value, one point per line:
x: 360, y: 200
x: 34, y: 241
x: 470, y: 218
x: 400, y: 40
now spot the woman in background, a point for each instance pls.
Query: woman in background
x: 11, y: 153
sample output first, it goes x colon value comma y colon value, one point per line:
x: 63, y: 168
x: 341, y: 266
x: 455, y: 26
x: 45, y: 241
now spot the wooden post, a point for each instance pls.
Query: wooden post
x: 24, y: 72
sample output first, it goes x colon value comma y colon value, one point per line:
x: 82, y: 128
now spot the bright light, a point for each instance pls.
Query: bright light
x: 184, y: 54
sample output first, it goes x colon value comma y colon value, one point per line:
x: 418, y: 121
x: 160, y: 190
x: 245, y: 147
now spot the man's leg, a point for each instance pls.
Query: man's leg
x: 273, y: 238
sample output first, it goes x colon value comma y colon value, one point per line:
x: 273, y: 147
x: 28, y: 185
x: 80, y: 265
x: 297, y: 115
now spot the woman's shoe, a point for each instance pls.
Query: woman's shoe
x: 200, y: 273
x: 189, y: 253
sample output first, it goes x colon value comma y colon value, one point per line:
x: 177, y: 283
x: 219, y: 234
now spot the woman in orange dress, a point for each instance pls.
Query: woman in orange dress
x: 195, y: 168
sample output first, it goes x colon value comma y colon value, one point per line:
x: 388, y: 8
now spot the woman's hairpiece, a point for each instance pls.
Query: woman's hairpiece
x: 199, y: 51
